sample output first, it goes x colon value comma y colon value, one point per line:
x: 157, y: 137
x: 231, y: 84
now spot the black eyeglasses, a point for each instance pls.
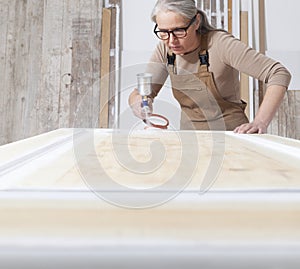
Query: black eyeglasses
x: 178, y: 32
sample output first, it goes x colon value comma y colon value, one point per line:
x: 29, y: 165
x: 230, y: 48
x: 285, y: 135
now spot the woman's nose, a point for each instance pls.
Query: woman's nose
x: 172, y: 38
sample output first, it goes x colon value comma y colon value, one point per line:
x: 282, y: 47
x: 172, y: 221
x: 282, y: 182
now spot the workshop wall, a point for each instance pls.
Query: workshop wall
x: 49, y: 65
x: 286, y: 122
x: 282, y: 44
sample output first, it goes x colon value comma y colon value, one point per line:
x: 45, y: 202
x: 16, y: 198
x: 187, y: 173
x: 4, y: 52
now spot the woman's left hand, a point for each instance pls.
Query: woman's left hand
x: 254, y: 127
x: 271, y: 102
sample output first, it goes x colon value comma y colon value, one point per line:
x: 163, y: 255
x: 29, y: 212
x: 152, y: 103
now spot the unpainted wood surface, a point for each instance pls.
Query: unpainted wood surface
x: 188, y: 220
x: 49, y: 65
x: 105, y: 67
x: 286, y: 122
x: 48, y: 192
x: 67, y: 160
x: 244, y: 79
x: 230, y: 16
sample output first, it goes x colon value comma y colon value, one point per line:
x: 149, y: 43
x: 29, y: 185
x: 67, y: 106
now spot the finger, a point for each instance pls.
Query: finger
x: 244, y: 128
x: 137, y: 111
x: 253, y: 130
x: 262, y: 130
x: 238, y: 129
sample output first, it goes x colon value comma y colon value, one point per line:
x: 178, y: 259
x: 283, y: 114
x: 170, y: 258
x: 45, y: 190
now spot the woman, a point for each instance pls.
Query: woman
x: 204, y: 65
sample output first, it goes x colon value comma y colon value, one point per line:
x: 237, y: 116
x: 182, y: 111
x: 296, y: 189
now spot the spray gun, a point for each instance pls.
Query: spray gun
x: 144, y: 88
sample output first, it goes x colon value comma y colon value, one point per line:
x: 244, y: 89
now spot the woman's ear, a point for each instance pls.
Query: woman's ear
x: 198, y: 20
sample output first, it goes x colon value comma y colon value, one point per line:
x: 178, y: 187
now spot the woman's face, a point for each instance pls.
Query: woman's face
x: 170, y: 21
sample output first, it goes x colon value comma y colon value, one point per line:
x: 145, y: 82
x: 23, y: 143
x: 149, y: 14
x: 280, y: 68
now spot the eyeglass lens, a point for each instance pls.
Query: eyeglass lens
x: 166, y: 34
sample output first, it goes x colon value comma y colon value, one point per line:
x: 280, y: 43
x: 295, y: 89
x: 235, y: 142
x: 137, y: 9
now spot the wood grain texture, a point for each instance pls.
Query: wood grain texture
x: 286, y: 121
x: 50, y: 69
x: 244, y: 79
x: 112, y: 104
x: 229, y: 16
x: 49, y: 66
x: 5, y: 68
x: 262, y: 43
x: 149, y: 159
x: 51, y: 200
x: 86, y: 30
x: 105, y: 67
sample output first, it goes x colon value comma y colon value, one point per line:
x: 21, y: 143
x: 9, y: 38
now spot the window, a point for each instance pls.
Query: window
x: 217, y: 12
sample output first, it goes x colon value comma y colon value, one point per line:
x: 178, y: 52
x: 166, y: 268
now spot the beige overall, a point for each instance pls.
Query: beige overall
x: 203, y: 108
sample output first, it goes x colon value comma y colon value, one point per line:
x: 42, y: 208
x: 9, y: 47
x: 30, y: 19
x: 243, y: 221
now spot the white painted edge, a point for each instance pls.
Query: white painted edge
x: 267, y: 145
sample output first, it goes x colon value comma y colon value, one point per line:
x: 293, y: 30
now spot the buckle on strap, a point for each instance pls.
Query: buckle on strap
x: 171, y: 59
x: 204, y: 59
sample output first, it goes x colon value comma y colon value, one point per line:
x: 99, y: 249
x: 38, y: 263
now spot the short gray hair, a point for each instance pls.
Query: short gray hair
x: 185, y: 8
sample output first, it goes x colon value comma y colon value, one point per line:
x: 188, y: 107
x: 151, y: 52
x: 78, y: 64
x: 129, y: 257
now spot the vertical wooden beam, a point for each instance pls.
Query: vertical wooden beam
x: 48, y: 101
x: 262, y: 27
x: 244, y: 80
x: 6, y: 68
x: 262, y: 44
x: 112, y: 82
x: 297, y: 113
x: 229, y: 16
x: 105, y: 68
x: 84, y: 94
x: 66, y: 64
x: 114, y: 78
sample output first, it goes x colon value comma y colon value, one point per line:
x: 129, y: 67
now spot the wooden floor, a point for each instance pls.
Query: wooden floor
x: 119, y: 200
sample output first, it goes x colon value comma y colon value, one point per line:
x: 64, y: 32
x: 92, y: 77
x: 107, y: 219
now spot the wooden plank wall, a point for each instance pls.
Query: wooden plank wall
x: 287, y: 119
x: 49, y: 66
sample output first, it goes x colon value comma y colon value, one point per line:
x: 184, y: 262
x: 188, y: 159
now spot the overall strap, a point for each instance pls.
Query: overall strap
x: 171, y: 57
x: 203, y: 57
x: 203, y: 54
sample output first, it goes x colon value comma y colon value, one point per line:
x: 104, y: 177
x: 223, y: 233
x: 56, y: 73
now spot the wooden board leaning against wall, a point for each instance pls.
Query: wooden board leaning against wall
x: 110, y: 61
x: 49, y: 66
x: 286, y: 122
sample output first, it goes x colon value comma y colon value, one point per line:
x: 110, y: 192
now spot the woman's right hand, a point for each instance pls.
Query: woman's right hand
x: 135, y: 102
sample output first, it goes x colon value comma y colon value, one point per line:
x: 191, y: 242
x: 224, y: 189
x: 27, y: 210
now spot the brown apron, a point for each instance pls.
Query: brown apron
x: 202, y: 106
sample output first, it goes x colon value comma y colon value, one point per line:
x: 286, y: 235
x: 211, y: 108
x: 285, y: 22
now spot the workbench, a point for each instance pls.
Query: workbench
x: 102, y: 198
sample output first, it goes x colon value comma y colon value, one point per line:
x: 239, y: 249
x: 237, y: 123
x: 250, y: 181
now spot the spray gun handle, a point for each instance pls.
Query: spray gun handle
x: 145, y: 106
x: 144, y: 89
x: 145, y: 101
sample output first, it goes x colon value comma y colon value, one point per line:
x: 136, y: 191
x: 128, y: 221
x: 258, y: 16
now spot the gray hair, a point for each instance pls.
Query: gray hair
x: 185, y: 8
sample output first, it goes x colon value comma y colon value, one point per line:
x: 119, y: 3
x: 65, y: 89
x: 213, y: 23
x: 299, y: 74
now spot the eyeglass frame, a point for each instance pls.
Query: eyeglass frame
x: 176, y: 29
